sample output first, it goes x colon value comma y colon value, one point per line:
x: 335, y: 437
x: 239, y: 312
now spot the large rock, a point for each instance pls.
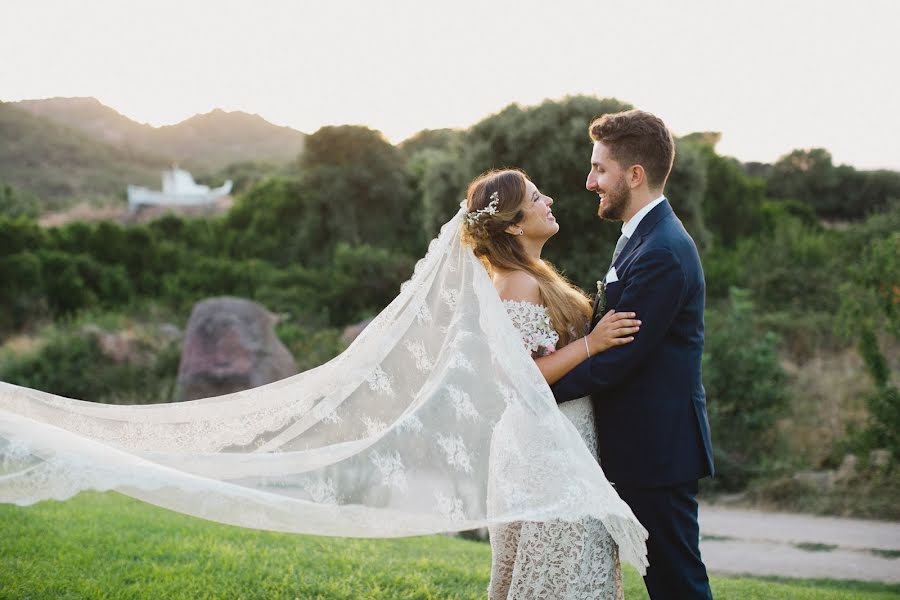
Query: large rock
x: 230, y: 345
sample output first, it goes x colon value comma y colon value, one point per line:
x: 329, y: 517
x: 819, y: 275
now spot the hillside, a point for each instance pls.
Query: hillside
x: 61, y: 165
x: 219, y: 138
x: 209, y: 141
x: 88, y: 116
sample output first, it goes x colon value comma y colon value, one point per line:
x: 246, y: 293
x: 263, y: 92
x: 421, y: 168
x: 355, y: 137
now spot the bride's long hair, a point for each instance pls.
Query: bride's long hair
x: 569, y: 307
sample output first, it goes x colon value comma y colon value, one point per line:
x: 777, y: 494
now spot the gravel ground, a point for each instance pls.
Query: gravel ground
x: 740, y: 541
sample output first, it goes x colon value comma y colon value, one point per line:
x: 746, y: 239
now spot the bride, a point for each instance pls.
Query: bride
x: 508, y: 223
x: 435, y: 419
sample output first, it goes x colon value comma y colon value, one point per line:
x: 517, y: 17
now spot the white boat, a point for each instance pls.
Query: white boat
x: 179, y: 189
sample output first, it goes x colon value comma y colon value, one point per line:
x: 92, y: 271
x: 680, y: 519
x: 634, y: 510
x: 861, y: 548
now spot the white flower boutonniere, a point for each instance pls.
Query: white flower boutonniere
x: 601, y: 297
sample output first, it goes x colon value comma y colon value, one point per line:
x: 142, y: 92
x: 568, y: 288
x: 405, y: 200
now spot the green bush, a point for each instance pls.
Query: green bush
x: 364, y: 280
x: 733, y: 203
x: 22, y: 295
x: 208, y: 276
x: 310, y: 347
x: 20, y: 235
x: 871, y: 306
x: 14, y: 203
x: 71, y: 364
x: 440, y: 177
x: 802, y: 334
x: 834, y: 192
x: 794, y: 268
x: 745, y: 387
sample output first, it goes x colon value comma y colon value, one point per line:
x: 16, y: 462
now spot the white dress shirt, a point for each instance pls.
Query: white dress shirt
x: 631, y: 226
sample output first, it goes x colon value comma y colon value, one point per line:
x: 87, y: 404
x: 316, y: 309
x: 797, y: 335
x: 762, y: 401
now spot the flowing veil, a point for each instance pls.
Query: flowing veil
x: 435, y: 419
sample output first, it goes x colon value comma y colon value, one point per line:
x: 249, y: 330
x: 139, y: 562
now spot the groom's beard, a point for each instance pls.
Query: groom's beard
x: 616, y: 203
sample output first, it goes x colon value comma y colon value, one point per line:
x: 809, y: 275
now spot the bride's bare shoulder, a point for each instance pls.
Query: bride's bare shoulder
x: 518, y: 285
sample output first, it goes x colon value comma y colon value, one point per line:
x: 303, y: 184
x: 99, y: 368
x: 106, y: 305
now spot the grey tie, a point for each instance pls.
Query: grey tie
x: 623, y: 239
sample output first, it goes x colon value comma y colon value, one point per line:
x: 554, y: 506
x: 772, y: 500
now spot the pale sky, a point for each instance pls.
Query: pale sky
x: 771, y: 75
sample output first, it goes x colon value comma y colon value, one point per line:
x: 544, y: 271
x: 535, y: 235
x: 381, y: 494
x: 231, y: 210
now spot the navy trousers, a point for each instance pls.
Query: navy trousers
x: 669, y: 514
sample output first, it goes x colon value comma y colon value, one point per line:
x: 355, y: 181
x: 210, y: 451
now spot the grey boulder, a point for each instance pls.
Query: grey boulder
x: 229, y: 346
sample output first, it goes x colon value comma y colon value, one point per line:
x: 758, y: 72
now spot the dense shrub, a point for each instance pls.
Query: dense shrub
x: 71, y: 364
x: 15, y: 203
x: 22, y: 293
x: 209, y: 276
x: 310, y: 346
x: 792, y: 268
x: 870, y: 309
x: 834, y: 192
x: 363, y: 278
x: 733, y: 202
x: 745, y: 387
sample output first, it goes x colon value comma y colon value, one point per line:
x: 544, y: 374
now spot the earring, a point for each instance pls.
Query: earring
x: 521, y: 232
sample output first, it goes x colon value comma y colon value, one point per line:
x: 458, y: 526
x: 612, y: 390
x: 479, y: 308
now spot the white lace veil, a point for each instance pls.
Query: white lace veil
x: 435, y: 419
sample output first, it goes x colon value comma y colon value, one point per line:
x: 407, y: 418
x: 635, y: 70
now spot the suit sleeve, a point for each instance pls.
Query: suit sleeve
x: 654, y: 290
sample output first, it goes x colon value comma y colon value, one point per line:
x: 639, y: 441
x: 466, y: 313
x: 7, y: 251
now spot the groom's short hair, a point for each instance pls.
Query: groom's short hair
x: 635, y: 137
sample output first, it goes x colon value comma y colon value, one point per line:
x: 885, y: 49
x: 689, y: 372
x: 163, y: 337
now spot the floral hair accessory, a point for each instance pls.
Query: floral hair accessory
x: 491, y: 209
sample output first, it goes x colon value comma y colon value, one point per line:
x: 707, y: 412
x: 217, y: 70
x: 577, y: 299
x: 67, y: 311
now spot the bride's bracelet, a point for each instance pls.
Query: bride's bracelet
x: 586, y: 347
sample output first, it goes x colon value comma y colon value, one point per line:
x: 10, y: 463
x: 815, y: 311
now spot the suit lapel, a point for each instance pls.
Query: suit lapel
x: 650, y: 220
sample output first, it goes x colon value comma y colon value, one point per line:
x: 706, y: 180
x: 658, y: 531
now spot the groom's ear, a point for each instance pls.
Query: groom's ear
x: 635, y: 176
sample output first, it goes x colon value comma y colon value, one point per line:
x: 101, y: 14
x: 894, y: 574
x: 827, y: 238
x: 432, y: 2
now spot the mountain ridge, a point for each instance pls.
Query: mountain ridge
x: 69, y: 150
x: 61, y: 165
x: 205, y: 141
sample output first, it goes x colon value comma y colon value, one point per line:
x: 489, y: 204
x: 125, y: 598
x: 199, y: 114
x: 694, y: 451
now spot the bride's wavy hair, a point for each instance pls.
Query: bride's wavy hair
x: 569, y: 307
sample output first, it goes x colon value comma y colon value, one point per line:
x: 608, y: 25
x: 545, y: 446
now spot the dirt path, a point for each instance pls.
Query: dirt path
x: 738, y: 541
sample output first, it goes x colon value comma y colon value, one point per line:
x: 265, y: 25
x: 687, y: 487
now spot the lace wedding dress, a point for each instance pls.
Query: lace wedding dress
x: 405, y: 433
x: 553, y: 560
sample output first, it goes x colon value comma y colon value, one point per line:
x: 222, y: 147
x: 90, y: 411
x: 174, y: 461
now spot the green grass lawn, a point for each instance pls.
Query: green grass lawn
x: 110, y: 546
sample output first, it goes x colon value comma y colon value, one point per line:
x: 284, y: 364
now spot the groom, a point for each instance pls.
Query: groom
x: 649, y: 402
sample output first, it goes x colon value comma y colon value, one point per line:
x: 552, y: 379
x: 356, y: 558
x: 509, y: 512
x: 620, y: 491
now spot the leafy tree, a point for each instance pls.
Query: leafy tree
x: 732, y: 205
x: 835, y: 192
x: 688, y: 187
x: 879, y: 190
x: 351, y: 187
x: 438, y: 176
x: 266, y: 222
x: 805, y: 175
x: 430, y: 139
x: 356, y: 183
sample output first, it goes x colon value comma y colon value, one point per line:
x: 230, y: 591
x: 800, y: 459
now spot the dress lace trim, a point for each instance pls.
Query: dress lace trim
x: 533, y: 323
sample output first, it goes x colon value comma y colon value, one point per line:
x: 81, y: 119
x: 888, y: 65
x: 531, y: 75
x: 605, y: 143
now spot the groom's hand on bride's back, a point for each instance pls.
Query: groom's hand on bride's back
x: 614, y: 329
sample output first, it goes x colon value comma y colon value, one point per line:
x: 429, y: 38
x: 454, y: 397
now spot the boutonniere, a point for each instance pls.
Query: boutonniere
x: 601, y: 297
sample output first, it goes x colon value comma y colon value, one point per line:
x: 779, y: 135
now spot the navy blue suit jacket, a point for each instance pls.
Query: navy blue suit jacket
x: 648, y: 397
